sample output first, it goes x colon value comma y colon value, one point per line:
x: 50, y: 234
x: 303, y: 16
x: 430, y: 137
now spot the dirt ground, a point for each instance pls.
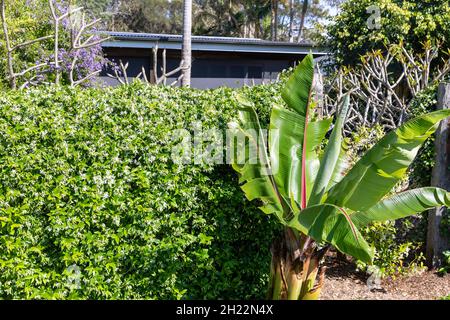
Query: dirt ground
x: 344, y: 283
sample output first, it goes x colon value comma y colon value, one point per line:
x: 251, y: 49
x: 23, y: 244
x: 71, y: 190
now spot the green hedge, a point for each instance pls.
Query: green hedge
x: 91, y: 205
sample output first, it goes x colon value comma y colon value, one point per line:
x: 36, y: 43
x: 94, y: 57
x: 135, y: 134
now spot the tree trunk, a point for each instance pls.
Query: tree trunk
x: 274, y: 21
x: 186, y: 53
x: 302, y: 20
x: 9, y: 55
x: 295, y: 268
x: 437, y: 242
x: 291, y: 21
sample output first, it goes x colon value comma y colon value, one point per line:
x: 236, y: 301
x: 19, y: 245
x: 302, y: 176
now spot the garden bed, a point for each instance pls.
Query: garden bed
x: 343, y: 282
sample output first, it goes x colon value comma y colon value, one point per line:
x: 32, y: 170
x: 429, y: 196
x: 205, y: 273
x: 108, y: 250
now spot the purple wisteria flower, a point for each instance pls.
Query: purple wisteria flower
x: 88, y: 60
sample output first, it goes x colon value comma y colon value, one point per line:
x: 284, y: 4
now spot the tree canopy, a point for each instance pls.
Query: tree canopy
x: 357, y: 30
x: 265, y: 19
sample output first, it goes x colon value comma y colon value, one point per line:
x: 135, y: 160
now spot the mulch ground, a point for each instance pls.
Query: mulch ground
x: 343, y: 282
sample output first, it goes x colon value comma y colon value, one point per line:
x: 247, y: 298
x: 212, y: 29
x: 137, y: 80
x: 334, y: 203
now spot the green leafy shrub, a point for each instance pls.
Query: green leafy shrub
x: 446, y: 263
x: 91, y: 205
x: 365, y: 25
x: 394, y: 255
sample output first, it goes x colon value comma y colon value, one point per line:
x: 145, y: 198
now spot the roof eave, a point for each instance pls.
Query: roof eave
x: 215, y: 44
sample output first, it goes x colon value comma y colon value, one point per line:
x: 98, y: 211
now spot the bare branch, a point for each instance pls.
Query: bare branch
x: 69, y: 12
x: 144, y: 75
x: 116, y: 76
x: 72, y: 67
x: 155, y: 63
x: 56, y: 21
x: 9, y: 58
x: 171, y: 73
x: 124, y: 71
x: 177, y: 81
x: 53, y: 10
x: 83, y: 28
x: 88, y: 77
x: 31, y: 69
x: 86, y: 44
x: 26, y: 43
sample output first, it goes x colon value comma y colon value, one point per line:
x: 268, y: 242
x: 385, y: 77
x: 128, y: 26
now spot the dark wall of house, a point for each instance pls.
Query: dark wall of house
x: 209, y: 69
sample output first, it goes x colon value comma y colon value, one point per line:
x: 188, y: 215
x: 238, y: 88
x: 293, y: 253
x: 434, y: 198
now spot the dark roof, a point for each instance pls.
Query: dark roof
x: 201, y: 39
x: 207, y: 43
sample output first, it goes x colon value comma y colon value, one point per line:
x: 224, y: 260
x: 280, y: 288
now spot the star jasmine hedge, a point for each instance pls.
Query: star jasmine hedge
x: 92, y: 206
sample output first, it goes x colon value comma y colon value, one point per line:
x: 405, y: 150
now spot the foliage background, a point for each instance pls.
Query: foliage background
x: 412, y: 22
x: 86, y: 182
x: 237, y: 18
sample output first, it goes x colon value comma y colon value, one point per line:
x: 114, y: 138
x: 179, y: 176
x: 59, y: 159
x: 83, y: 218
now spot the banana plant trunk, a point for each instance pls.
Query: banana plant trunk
x: 295, y: 272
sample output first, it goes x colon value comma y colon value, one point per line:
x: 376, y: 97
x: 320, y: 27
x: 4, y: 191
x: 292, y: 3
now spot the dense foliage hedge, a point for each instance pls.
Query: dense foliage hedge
x: 91, y: 205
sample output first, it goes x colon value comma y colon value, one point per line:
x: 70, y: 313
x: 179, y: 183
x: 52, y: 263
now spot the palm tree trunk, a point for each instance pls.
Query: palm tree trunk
x: 291, y: 20
x: 295, y: 273
x: 186, y: 51
x: 302, y: 20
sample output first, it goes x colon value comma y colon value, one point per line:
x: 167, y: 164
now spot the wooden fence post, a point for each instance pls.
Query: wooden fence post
x: 436, y: 241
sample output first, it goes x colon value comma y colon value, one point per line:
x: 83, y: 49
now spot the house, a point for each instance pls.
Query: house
x: 217, y: 61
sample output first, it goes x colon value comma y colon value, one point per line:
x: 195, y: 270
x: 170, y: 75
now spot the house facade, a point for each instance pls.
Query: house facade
x: 217, y: 61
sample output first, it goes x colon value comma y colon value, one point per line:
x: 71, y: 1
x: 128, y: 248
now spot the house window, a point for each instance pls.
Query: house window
x: 255, y: 72
x: 217, y: 71
x: 237, y: 72
x: 135, y: 65
x: 200, y: 69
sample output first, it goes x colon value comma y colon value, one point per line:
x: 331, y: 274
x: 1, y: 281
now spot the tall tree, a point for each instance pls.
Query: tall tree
x: 274, y: 20
x: 186, y: 54
x: 266, y: 19
x: 302, y: 19
x: 153, y: 16
x: 291, y: 21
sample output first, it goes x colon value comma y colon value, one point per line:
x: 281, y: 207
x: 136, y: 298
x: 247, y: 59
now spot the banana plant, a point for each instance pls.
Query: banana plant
x: 312, y: 192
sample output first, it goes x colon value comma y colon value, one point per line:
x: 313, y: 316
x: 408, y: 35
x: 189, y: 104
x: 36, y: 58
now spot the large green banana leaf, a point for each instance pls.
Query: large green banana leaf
x: 294, y: 138
x: 286, y: 141
x: 331, y: 156
x: 342, y: 166
x: 333, y: 225
x: 251, y: 161
x: 403, y: 205
x: 288, y: 131
x: 298, y: 89
x: 316, y: 134
x: 377, y: 172
x: 291, y: 172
